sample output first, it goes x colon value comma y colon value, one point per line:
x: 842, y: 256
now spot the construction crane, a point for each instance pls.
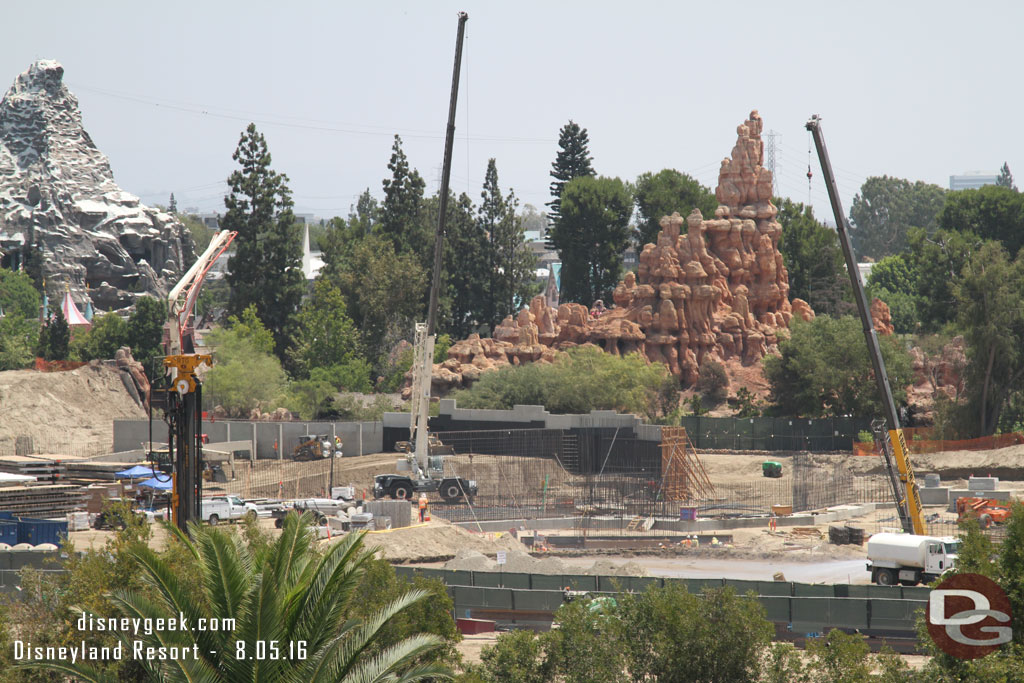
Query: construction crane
x: 399, y: 486
x: 184, y: 398
x: 894, y: 447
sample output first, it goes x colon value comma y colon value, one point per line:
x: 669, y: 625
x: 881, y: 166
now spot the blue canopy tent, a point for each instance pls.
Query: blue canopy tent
x: 137, y: 472
x: 157, y: 484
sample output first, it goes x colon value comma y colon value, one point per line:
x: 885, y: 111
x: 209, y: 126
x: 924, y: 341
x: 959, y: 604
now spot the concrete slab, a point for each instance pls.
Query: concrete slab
x: 935, y: 496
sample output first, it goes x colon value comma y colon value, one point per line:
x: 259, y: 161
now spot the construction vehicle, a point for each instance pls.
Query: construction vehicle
x: 225, y: 509
x: 401, y: 487
x: 771, y: 468
x: 987, y: 511
x: 910, y: 559
x: 422, y: 477
x: 183, y: 406
x: 894, y: 446
x: 312, y: 447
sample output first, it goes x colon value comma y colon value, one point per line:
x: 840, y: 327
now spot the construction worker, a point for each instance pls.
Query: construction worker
x: 772, y: 521
x: 423, y: 507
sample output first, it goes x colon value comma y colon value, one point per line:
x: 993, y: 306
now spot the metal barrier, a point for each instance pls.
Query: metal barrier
x: 801, y: 608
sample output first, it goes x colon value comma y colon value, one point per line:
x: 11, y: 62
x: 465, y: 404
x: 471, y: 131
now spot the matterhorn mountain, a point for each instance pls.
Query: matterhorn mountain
x: 57, y: 194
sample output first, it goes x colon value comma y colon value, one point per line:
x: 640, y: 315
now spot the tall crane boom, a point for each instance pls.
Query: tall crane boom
x: 897, y: 459
x: 424, y: 348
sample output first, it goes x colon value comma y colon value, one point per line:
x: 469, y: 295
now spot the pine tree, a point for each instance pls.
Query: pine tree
x: 266, y: 269
x: 573, y: 160
x: 401, y: 213
x: 1005, y: 178
x: 58, y: 336
x: 591, y: 236
x: 172, y: 205
x: 466, y: 277
x: 511, y: 263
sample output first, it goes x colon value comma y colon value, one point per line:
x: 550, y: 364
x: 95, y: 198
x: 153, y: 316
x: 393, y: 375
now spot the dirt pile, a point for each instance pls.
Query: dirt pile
x: 66, y: 413
x: 437, y: 540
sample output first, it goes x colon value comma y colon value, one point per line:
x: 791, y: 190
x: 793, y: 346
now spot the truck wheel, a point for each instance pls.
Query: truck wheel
x: 985, y: 520
x: 279, y: 523
x: 887, y: 577
x: 400, y: 492
x: 251, y: 515
x: 214, y: 519
x: 451, y: 492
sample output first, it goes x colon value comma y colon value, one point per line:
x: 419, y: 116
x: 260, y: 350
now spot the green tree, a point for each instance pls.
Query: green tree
x: 572, y: 161
x: 18, y: 339
x: 383, y: 291
x: 245, y: 372
x: 591, y: 235
x: 511, y: 263
x: 108, y: 333
x: 266, y: 269
x: 18, y: 295
x: 324, y: 334
x: 515, y: 656
x: 712, y: 381
x: 58, y: 336
x: 992, y: 212
x: 814, y: 260
x: 885, y: 208
x: 580, y: 380
x: 1005, y: 178
x: 895, y: 281
x: 988, y: 296
x: 578, y: 650
x: 464, y: 276
x: 145, y: 333
x: 401, y: 213
x: 284, y: 593
x: 670, y: 635
x: 936, y: 262
x: 823, y: 370
x: 662, y: 193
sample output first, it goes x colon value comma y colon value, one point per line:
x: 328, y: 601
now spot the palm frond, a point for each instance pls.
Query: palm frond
x: 389, y: 662
x: 225, y: 572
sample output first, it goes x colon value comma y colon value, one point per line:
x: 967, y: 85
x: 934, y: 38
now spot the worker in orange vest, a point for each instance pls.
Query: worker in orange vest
x: 423, y: 507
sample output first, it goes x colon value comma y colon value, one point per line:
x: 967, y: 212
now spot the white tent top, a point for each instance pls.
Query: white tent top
x: 71, y: 312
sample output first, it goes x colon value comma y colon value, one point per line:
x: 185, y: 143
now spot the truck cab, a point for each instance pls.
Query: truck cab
x: 225, y: 508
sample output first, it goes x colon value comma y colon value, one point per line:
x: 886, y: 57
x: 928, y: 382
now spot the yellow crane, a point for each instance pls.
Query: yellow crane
x: 897, y: 459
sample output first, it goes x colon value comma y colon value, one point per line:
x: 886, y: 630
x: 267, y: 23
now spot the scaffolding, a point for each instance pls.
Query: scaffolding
x: 683, y: 477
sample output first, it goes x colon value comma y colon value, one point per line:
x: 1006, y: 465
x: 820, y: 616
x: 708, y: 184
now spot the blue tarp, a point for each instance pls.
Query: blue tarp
x: 155, y: 483
x: 136, y: 472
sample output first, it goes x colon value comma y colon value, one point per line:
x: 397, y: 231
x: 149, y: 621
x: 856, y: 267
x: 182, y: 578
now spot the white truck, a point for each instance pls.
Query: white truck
x: 910, y: 559
x: 216, y: 509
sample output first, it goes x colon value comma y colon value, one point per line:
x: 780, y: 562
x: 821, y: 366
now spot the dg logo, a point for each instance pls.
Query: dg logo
x: 969, y: 616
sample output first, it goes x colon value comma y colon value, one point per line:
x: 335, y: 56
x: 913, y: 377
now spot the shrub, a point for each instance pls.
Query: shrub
x: 712, y: 382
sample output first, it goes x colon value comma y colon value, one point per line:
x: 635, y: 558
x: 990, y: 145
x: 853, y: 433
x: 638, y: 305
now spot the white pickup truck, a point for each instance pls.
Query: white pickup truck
x: 218, y: 509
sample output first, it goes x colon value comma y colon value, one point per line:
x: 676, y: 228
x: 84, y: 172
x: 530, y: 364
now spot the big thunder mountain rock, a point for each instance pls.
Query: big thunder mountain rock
x: 709, y: 287
x: 57, y: 191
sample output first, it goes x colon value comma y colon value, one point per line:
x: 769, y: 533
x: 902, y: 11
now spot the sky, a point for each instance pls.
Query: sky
x: 919, y: 90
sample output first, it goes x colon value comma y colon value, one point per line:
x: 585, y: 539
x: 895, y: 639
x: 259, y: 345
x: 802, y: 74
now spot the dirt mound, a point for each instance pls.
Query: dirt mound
x: 437, y: 540
x: 67, y: 413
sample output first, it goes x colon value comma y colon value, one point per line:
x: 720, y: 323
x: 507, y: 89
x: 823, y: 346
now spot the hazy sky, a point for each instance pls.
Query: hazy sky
x: 919, y: 90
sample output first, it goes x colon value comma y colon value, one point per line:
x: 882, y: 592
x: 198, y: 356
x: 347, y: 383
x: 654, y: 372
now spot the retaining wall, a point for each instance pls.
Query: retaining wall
x: 359, y: 438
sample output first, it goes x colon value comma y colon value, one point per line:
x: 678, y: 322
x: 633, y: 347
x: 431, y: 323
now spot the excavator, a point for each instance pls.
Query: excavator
x: 898, y: 466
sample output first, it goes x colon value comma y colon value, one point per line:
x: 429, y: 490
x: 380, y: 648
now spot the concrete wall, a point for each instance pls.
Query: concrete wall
x: 359, y: 438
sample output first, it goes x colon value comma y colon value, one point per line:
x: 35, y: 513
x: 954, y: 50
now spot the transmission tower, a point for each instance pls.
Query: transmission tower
x: 770, y: 160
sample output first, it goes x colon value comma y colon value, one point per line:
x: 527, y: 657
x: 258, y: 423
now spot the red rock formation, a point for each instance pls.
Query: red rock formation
x: 881, y: 317
x: 708, y: 287
x: 938, y: 372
